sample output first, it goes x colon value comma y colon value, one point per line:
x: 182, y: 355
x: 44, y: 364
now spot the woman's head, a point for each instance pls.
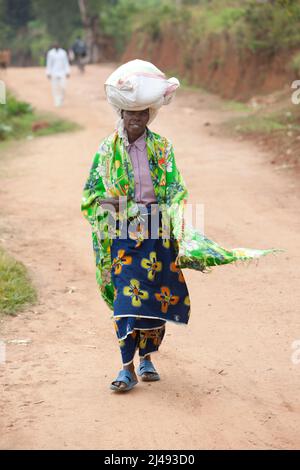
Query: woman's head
x: 135, y: 123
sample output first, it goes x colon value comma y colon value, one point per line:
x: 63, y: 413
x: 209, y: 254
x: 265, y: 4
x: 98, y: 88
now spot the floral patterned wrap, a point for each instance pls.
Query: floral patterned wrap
x: 112, y: 176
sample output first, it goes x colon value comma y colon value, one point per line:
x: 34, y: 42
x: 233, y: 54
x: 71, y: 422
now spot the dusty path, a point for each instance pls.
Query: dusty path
x: 227, y: 379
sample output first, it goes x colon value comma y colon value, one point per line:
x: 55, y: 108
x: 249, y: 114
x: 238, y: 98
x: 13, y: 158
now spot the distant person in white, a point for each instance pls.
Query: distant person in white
x: 58, y: 69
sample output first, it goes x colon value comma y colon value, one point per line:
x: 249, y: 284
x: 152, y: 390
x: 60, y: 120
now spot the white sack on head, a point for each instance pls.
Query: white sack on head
x: 138, y: 85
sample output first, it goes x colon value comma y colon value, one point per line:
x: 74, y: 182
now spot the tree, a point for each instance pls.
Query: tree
x: 61, y: 18
x: 17, y: 12
x: 90, y: 11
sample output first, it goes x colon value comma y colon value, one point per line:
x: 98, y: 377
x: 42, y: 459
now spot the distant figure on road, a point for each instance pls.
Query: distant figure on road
x: 57, y: 70
x: 80, y: 52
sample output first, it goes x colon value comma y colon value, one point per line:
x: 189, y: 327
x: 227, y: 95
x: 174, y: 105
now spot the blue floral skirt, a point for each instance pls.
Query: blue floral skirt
x: 144, y: 335
x: 149, y: 288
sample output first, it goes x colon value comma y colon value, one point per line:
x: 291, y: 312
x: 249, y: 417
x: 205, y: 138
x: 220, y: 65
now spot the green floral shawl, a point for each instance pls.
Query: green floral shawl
x: 112, y: 175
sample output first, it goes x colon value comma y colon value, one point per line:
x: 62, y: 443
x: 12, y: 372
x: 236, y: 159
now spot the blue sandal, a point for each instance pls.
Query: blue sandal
x: 146, y: 367
x: 126, y: 377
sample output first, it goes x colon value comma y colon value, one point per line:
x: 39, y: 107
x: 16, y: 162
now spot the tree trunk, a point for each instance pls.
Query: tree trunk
x: 91, y: 29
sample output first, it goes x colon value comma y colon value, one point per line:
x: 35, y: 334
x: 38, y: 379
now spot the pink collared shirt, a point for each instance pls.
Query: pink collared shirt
x: 144, y: 192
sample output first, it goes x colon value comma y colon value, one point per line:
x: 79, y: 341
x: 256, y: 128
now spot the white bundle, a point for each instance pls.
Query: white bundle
x: 138, y: 85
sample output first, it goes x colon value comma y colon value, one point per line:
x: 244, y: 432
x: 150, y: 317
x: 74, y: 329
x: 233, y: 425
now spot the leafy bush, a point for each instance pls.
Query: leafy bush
x: 5, y: 130
x: 266, y: 26
x: 295, y: 64
x: 16, y: 289
x: 10, y: 113
x: 127, y: 16
x: 271, y: 27
x: 18, y: 119
x: 13, y: 107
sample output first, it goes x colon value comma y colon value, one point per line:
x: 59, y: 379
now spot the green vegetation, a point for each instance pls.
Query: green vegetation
x: 215, y: 18
x: 238, y: 106
x: 295, y: 64
x: 258, y: 125
x: 265, y: 122
x: 277, y: 131
x: 18, y: 120
x: 119, y: 19
x: 259, y: 26
x: 29, y: 27
x: 16, y: 290
x: 271, y: 26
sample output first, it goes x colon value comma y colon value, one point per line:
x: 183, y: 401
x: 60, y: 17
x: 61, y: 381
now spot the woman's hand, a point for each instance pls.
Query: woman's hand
x: 114, y: 201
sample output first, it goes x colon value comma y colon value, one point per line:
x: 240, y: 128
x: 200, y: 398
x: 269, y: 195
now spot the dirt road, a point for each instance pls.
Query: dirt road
x: 228, y: 380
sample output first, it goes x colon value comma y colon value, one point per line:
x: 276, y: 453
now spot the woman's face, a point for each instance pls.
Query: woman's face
x: 135, y: 122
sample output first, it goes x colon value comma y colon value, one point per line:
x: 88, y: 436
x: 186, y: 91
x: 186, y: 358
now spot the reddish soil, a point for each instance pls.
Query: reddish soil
x: 216, y: 63
x: 228, y: 380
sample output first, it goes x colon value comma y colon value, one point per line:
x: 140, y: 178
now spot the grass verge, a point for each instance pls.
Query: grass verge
x: 278, y: 131
x: 16, y: 289
x: 19, y: 120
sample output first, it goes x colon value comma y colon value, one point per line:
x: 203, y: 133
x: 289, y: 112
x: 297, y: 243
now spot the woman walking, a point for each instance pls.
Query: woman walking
x: 137, y: 245
x: 149, y: 289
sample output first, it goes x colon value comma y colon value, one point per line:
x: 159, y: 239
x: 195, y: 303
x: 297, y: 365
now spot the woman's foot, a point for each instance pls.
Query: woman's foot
x: 131, y: 379
x: 147, y: 370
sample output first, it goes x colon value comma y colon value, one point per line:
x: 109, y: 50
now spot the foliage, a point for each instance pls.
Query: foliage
x: 295, y: 64
x: 60, y: 18
x: 264, y: 122
x: 29, y: 27
x: 119, y: 20
x: 14, y: 107
x: 272, y: 26
x: 16, y: 289
x: 18, y: 120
